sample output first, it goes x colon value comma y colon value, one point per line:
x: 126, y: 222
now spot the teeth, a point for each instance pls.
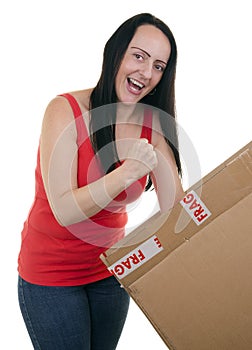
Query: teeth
x: 135, y: 82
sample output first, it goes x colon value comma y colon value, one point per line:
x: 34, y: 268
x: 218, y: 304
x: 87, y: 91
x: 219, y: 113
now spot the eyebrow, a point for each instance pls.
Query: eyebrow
x: 138, y: 48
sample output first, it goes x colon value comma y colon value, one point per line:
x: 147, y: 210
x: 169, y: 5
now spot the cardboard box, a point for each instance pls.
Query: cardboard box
x: 190, y: 271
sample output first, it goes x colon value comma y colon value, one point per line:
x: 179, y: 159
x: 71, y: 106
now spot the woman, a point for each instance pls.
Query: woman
x: 98, y: 148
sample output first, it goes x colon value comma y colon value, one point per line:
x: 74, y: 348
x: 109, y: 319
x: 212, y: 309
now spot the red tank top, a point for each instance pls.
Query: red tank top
x: 54, y: 255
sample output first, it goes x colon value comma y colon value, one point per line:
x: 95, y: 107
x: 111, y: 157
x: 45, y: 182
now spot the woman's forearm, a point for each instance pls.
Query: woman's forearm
x: 81, y: 203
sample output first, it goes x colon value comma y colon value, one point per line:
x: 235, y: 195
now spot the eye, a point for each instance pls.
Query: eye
x: 159, y: 68
x: 138, y: 56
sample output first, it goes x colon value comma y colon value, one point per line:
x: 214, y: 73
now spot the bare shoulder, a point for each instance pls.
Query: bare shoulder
x: 83, y: 98
x: 59, y: 108
x: 58, y: 114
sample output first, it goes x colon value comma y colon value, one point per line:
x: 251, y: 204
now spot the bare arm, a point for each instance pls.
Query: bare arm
x: 58, y: 156
x: 165, y: 176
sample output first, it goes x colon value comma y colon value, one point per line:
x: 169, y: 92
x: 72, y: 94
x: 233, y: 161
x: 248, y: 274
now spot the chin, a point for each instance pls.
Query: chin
x: 131, y: 99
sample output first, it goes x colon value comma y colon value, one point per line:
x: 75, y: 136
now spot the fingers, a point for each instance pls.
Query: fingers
x: 146, y: 142
x: 141, y: 157
x: 148, y: 148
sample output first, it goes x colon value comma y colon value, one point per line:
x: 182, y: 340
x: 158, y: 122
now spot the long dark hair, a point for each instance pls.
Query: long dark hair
x: 102, y: 128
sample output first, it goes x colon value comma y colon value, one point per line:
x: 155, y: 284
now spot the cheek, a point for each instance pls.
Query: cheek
x: 126, y: 67
x: 121, y: 75
x: 118, y: 81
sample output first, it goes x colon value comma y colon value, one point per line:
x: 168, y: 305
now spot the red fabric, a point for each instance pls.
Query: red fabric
x: 51, y: 254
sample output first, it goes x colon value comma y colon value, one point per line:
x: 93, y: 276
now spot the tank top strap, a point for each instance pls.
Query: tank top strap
x: 82, y: 133
x: 147, y: 125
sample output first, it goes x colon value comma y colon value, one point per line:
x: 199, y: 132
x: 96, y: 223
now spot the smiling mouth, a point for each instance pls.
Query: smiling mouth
x: 135, y: 84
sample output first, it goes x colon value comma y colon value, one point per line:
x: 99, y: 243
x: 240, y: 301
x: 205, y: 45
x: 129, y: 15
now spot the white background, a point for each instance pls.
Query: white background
x: 51, y: 47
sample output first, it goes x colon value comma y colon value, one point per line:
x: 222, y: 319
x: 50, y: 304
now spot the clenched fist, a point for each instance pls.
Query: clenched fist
x: 139, y: 157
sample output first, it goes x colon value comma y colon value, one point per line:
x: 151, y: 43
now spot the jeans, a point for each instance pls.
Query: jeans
x: 87, y: 317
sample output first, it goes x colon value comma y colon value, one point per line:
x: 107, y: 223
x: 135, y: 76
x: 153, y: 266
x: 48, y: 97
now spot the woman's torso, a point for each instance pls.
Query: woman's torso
x: 54, y: 255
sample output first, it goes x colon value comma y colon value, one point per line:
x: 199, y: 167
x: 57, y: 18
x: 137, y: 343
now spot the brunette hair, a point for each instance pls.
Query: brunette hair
x: 102, y: 128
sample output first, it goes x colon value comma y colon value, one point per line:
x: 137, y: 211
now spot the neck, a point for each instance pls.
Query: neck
x: 126, y: 112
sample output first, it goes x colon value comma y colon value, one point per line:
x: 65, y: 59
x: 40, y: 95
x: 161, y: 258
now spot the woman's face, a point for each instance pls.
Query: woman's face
x: 143, y: 64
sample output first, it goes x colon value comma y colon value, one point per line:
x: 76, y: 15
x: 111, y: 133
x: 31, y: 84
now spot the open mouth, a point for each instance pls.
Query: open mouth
x: 135, y: 84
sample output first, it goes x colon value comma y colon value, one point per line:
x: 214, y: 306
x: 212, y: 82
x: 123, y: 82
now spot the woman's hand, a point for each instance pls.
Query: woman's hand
x: 139, y: 158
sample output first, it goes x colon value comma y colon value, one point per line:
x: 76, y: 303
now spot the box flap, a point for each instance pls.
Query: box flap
x: 219, y: 191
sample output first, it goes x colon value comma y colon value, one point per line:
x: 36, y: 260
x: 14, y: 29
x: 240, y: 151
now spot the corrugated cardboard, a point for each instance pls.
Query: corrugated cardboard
x: 190, y: 271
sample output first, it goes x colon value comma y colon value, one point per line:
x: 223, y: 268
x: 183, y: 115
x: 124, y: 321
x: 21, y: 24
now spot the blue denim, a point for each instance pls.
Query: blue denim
x: 87, y: 317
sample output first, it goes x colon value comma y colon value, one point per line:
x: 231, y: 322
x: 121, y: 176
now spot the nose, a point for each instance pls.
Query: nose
x: 146, y: 69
